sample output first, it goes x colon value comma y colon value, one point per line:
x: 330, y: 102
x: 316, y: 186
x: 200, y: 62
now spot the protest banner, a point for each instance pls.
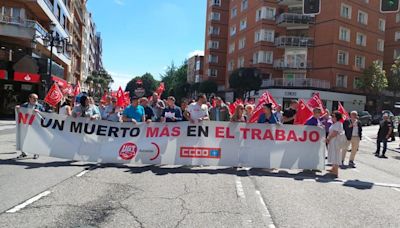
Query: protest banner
x: 182, y: 143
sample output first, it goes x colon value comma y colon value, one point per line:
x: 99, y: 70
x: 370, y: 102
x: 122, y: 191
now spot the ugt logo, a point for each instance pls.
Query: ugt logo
x: 26, y: 118
x: 128, y: 151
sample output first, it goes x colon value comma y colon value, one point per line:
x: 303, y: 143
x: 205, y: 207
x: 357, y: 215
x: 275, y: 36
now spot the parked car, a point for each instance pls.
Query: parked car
x: 377, y: 118
x: 365, y: 118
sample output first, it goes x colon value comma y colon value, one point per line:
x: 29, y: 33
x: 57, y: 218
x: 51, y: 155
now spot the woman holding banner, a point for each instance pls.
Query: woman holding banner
x: 334, y: 143
x: 238, y: 115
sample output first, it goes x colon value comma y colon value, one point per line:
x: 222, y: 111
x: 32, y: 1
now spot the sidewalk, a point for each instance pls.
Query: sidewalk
x: 7, y: 122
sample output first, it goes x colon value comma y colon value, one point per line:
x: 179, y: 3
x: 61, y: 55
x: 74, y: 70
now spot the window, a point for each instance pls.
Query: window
x: 396, y: 53
x: 243, y: 24
x: 213, y: 59
x: 233, y: 30
x: 242, y: 43
x: 344, y: 34
x: 356, y: 83
x: 382, y: 25
x: 345, y: 11
x: 263, y: 57
x: 214, y: 16
x: 360, y: 62
x: 233, y: 12
x: 241, y: 62
x: 213, y: 44
x: 212, y: 72
x: 397, y: 17
x: 264, y: 35
x: 343, y: 57
x: 231, y: 65
x: 215, y: 2
x: 396, y: 36
x: 341, y: 81
x: 381, y: 45
x: 232, y: 48
x: 265, y: 13
x: 213, y: 30
x: 245, y: 5
x: 198, y: 64
x: 362, y: 17
x: 361, y: 39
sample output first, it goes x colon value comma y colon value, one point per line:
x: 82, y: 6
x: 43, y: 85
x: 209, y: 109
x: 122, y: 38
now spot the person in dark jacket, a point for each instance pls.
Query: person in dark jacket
x: 353, y: 131
x: 385, y: 129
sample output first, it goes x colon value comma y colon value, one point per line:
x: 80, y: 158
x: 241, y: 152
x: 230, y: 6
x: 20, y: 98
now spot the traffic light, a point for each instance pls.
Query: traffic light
x: 311, y: 7
x: 389, y: 6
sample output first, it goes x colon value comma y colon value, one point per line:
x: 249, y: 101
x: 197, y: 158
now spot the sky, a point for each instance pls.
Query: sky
x: 142, y: 36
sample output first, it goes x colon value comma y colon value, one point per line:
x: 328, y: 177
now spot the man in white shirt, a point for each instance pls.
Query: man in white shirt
x: 198, y: 111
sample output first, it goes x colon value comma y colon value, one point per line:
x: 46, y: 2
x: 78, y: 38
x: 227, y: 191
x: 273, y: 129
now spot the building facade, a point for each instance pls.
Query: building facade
x: 25, y: 56
x: 195, y: 69
x: 297, y: 54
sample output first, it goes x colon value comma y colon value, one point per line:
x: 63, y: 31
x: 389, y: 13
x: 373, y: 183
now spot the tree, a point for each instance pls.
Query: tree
x: 374, y: 81
x: 394, y: 77
x: 149, y: 84
x: 99, y: 81
x: 175, y: 81
x: 208, y: 87
x: 245, y: 80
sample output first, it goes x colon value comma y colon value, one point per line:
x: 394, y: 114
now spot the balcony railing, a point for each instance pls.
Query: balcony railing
x: 298, y: 82
x: 294, y: 41
x: 289, y: 2
x: 294, y: 19
x: 50, y: 5
x: 18, y: 21
x: 284, y: 64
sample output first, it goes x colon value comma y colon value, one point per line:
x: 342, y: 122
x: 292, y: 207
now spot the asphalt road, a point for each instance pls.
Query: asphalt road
x: 70, y: 194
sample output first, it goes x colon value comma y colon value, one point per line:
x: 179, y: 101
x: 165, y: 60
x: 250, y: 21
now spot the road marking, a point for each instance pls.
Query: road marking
x: 239, y: 188
x: 396, y: 189
x: 29, y: 201
x: 82, y: 173
x: 265, y: 209
x: 6, y: 127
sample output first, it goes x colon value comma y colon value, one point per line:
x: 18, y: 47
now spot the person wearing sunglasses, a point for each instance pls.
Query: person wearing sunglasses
x: 33, y: 103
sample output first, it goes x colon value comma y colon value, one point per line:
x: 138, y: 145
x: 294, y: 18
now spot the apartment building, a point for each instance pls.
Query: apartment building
x: 297, y: 54
x: 195, y: 69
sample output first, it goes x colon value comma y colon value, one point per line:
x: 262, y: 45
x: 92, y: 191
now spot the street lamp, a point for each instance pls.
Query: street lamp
x: 52, y: 40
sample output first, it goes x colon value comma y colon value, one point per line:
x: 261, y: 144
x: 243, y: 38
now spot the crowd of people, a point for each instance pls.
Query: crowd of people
x: 340, y: 135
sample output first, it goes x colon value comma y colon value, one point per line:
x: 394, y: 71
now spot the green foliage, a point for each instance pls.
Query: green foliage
x: 99, y: 81
x: 374, y: 79
x: 149, y: 84
x: 208, y: 87
x: 244, y: 80
x: 175, y: 81
x: 394, y: 77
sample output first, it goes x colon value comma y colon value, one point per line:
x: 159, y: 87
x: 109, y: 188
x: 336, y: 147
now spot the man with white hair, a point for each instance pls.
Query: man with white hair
x: 353, y: 131
x: 385, y: 130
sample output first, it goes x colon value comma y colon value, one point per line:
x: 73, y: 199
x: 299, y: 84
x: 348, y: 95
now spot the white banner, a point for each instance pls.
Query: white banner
x: 182, y: 143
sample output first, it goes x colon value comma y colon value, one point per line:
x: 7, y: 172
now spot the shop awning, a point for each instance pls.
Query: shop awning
x: 3, y: 74
x: 26, y: 77
x: 61, y: 82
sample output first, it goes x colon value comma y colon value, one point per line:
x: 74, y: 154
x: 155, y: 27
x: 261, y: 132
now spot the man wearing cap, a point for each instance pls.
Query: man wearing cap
x: 134, y: 112
x: 171, y: 113
x: 385, y: 129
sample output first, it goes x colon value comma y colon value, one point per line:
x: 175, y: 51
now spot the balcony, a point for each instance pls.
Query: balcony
x: 290, y: 2
x: 20, y: 28
x: 294, y: 41
x: 282, y: 64
x: 76, y: 47
x: 298, y: 82
x: 294, y: 20
x: 50, y: 5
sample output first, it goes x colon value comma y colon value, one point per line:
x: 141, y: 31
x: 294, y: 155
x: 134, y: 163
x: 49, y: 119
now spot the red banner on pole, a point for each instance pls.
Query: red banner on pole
x: 266, y: 98
x: 345, y: 114
x: 316, y: 102
x: 160, y: 89
x: 303, y: 113
x: 54, y: 95
x: 120, y: 97
x: 77, y: 89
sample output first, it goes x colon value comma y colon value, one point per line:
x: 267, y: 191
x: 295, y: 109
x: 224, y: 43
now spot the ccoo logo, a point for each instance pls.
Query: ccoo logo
x: 128, y: 151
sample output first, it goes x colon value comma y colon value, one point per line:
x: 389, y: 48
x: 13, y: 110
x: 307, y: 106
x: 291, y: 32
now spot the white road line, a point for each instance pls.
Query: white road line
x: 396, y: 189
x: 239, y: 188
x: 6, y: 127
x: 265, y: 209
x: 82, y: 173
x: 29, y: 201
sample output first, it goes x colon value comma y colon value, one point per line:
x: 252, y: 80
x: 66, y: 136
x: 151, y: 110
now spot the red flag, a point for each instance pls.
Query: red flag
x: 303, y: 113
x: 127, y: 97
x: 54, y: 95
x: 104, y: 97
x: 160, y: 89
x: 316, y: 102
x: 120, y: 97
x: 68, y: 90
x: 233, y: 105
x: 345, y: 114
x: 77, y: 89
x: 266, y: 98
